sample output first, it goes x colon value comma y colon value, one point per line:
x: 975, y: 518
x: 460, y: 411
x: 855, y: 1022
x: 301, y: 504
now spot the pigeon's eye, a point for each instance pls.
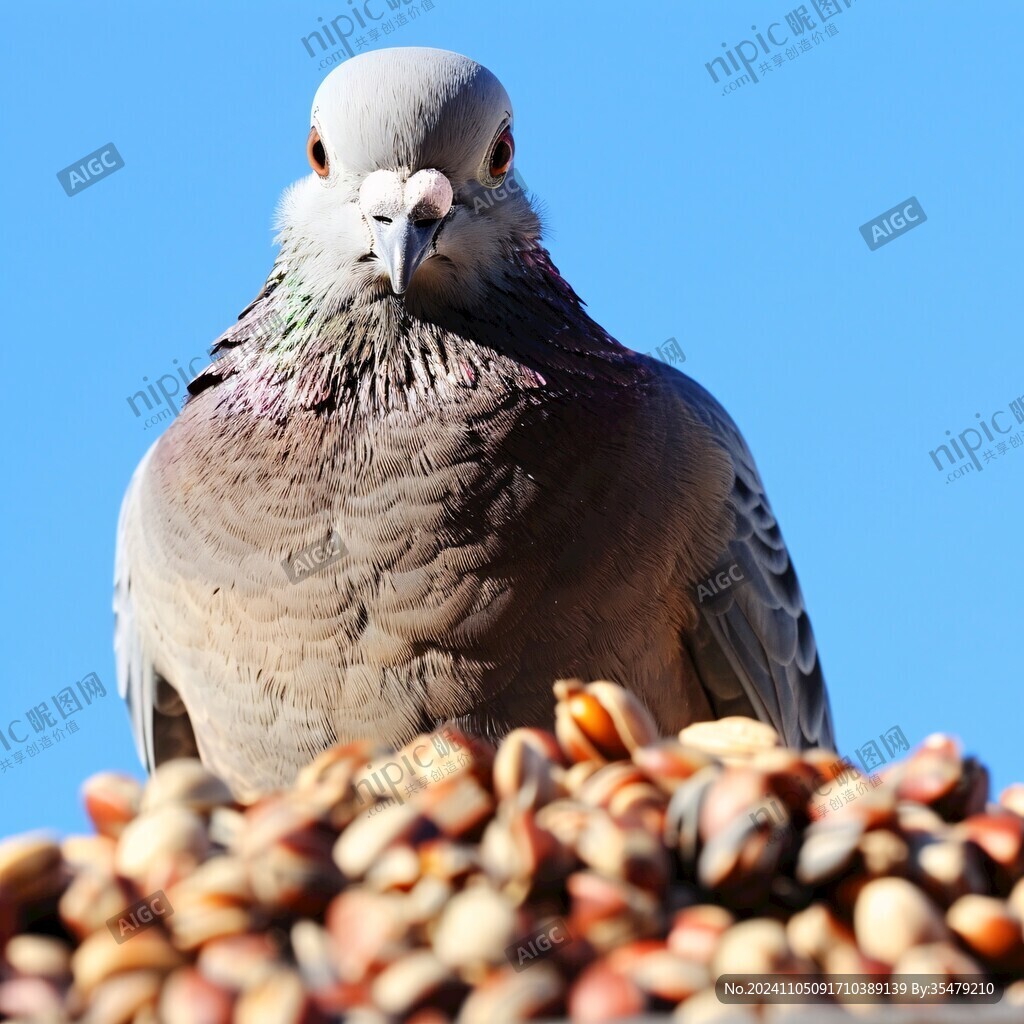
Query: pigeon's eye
x: 316, y: 154
x: 501, y: 154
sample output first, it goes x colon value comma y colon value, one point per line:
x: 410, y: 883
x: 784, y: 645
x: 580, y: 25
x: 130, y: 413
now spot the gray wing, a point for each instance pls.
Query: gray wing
x: 159, y: 722
x: 160, y: 726
x: 754, y: 647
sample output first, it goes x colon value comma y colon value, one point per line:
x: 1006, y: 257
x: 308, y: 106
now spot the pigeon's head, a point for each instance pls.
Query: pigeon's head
x: 411, y: 191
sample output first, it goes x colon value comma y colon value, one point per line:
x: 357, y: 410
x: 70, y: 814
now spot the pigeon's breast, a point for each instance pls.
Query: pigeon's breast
x: 336, y: 576
x: 327, y: 573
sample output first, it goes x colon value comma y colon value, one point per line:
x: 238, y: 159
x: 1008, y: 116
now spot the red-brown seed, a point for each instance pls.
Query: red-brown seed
x: 189, y: 997
x: 111, y: 801
x: 988, y: 928
x: 601, y: 994
x: 696, y: 931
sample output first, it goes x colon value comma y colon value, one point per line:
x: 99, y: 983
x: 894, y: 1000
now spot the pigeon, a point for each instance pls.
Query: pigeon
x: 417, y: 483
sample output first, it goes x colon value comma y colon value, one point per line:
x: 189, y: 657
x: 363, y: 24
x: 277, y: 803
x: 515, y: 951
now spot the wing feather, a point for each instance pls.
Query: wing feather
x: 160, y: 727
x: 755, y: 644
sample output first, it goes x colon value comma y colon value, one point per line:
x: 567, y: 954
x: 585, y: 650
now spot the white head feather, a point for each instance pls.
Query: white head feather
x: 384, y: 118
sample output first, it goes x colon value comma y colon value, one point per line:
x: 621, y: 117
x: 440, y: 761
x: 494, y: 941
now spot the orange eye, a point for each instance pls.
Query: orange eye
x: 501, y: 155
x: 316, y: 154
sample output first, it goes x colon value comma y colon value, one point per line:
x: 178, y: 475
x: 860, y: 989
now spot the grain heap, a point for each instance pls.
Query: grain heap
x: 600, y: 872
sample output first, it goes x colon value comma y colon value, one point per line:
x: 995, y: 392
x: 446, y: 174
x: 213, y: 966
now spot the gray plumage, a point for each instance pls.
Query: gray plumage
x: 519, y: 498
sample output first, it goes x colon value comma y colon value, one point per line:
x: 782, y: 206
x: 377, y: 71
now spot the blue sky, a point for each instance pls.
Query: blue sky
x: 730, y: 222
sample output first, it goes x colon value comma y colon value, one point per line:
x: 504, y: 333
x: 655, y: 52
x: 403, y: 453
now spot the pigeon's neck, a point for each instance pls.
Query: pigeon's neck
x: 528, y: 330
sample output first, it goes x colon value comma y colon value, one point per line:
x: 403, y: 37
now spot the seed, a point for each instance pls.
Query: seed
x: 475, y: 928
x: 185, y: 782
x: 331, y: 775
x: 525, y: 767
x: 705, y: 1008
x: 281, y: 999
x: 600, y: 721
x: 939, y: 958
x: 226, y: 827
x: 631, y: 854
x: 238, y: 962
x: 682, y: 818
x: 30, y: 1000
x: 366, y: 929
x: 397, y: 868
x: 41, y: 956
x: 96, y: 852
x: 828, y: 850
x: 517, y: 852
x: 949, y: 868
x: 658, y: 972
x: 425, y: 901
x: 92, y: 899
x: 30, y: 868
x: 599, y: 788
x: 366, y: 839
x: 99, y: 957
x: 119, y: 999
x: 988, y: 928
x: 287, y: 850
x: 757, y: 946
x: 735, y: 738
x: 735, y: 793
x: 189, y: 997
x: 930, y: 775
x: 456, y: 805
x: 1012, y: 798
x: 668, y: 763
x: 111, y: 801
x: 696, y: 932
x: 1000, y: 835
x: 739, y: 861
x: 596, y: 724
x: 883, y: 852
x: 312, y: 948
x: 412, y: 981
x: 212, y: 902
x: 576, y: 774
x: 607, y: 912
x: 508, y: 996
x: 1016, y: 900
x: 892, y: 916
x: 446, y: 859
x: 161, y: 845
x: 815, y: 932
x: 601, y: 994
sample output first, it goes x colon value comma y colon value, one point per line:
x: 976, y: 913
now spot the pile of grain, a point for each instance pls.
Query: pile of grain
x: 599, y: 873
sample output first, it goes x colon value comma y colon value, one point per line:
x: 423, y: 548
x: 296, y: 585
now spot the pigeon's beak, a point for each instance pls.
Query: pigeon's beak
x: 404, y: 217
x: 402, y: 244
